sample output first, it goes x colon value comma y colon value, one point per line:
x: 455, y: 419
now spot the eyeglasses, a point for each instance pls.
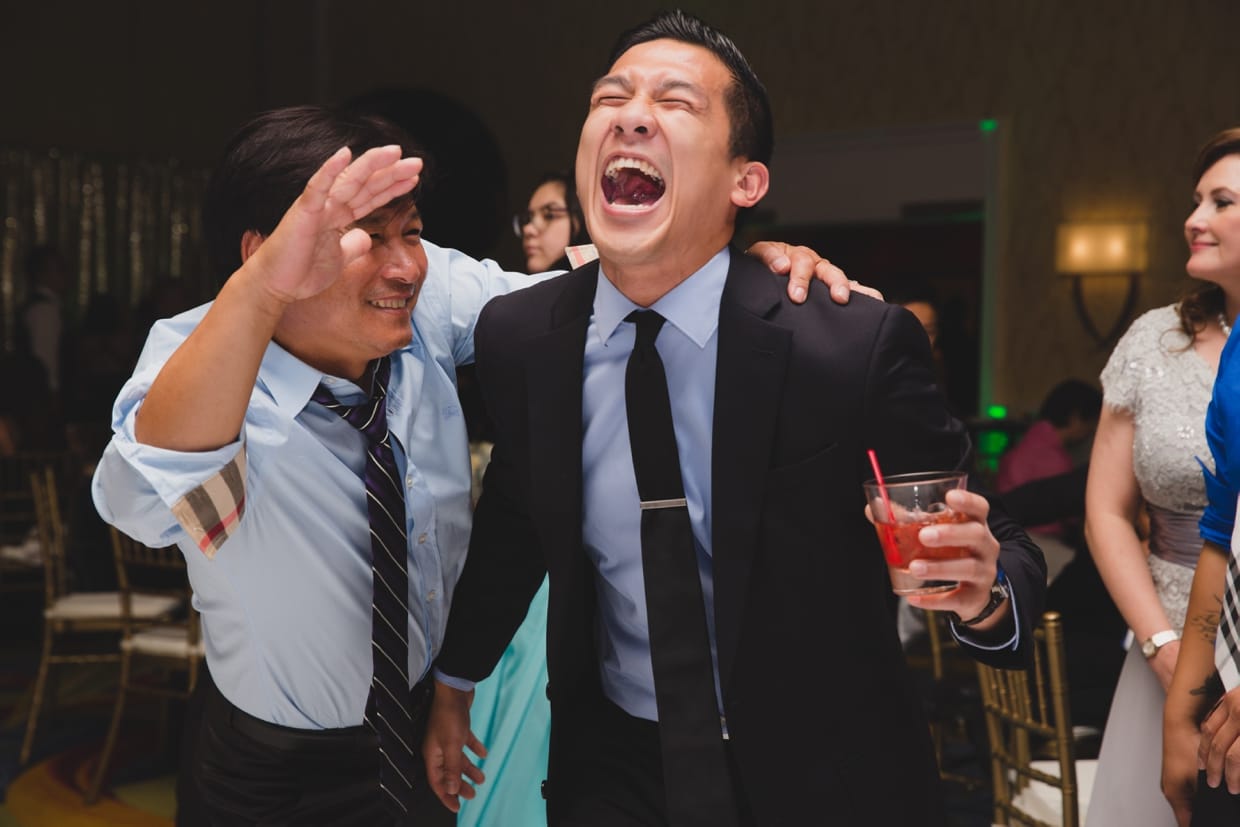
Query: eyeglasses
x: 540, y: 217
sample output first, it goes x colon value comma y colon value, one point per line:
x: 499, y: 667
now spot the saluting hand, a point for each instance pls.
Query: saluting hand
x: 315, y: 239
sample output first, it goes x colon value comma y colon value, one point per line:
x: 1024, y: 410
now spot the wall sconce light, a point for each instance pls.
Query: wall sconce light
x: 1107, y: 250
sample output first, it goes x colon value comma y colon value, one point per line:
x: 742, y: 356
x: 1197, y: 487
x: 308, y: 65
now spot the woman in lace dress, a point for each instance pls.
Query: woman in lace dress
x: 1156, y: 388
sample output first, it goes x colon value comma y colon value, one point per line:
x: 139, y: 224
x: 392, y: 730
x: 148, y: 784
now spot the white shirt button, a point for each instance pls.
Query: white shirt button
x: 432, y: 595
x: 409, y: 481
x: 421, y: 538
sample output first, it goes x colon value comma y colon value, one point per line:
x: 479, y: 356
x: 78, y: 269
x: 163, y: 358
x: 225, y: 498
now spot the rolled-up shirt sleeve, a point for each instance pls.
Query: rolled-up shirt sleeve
x: 150, y: 493
x: 159, y: 496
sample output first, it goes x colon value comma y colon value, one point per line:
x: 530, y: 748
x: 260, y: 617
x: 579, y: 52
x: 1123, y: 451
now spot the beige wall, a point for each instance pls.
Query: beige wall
x: 1103, y: 102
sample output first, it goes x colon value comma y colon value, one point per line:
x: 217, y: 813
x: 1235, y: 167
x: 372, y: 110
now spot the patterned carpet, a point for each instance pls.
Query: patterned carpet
x: 50, y: 793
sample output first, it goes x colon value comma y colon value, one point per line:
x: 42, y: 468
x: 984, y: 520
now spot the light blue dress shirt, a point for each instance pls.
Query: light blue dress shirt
x: 611, y: 529
x: 285, y: 602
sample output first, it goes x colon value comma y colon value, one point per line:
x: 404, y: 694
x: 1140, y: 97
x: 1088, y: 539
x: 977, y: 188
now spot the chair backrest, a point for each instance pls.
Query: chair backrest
x: 144, y: 570
x: 952, y: 703
x: 17, y: 506
x: 46, y: 501
x: 940, y: 641
x: 1027, y: 716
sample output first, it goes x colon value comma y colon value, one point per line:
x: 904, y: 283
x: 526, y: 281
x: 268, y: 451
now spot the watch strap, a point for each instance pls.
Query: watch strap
x: 1157, y: 641
x: 999, y: 593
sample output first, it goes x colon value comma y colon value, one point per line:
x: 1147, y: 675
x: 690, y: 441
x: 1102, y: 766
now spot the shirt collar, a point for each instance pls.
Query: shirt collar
x: 291, y: 382
x: 691, y: 306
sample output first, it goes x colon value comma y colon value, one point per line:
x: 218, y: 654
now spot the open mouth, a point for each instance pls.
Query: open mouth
x: 630, y: 182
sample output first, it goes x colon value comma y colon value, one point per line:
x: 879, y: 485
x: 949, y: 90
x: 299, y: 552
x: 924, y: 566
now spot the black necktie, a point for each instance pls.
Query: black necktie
x: 695, y: 771
x: 387, y: 711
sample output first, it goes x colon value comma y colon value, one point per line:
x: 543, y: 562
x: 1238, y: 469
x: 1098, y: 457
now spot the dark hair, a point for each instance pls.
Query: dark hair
x: 905, y: 293
x: 578, y: 234
x: 266, y: 166
x: 1203, y: 302
x: 1072, y: 396
x: 749, y: 109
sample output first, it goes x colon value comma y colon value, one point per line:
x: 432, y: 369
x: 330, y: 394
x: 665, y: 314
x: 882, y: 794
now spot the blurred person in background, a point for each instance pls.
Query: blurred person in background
x: 39, y: 352
x: 42, y: 316
x: 551, y: 222
x: 1065, y: 424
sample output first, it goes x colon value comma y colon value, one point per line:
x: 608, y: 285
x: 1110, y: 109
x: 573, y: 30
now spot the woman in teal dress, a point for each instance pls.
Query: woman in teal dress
x: 511, y: 716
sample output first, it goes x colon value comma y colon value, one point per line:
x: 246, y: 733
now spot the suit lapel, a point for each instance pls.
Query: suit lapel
x: 554, y: 380
x: 749, y: 383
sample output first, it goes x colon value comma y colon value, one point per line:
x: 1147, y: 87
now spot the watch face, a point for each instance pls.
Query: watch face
x: 1148, y: 648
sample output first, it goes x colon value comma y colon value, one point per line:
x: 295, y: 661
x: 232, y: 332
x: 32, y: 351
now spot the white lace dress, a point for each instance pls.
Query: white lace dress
x: 1156, y: 376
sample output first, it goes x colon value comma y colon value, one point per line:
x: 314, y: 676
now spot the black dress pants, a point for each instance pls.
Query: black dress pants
x: 618, y: 780
x: 251, y: 772
x: 1214, y: 806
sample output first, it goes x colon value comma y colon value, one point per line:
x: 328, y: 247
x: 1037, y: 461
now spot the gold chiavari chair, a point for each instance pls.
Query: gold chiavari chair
x: 1028, y: 716
x: 76, y: 625
x: 173, y: 648
x: 953, y: 701
x: 21, y: 564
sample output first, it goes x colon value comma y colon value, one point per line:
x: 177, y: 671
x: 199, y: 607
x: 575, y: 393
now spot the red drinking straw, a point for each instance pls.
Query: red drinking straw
x: 882, y: 490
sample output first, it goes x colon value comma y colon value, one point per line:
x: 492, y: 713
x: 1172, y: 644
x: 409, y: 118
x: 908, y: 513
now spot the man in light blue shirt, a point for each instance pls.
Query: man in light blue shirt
x: 219, y: 449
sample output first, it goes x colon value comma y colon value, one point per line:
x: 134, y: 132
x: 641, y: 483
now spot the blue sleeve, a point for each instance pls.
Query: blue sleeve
x: 1220, y: 515
x: 455, y: 291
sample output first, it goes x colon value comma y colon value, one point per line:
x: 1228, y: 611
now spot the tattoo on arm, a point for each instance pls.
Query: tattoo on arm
x: 1211, y: 686
x: 1206, y: 625
x: 1212, y: 691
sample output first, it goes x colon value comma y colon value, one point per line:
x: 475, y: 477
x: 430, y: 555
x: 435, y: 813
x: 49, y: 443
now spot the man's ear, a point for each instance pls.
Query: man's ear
x: 251, y: 240
x: 752, y: 182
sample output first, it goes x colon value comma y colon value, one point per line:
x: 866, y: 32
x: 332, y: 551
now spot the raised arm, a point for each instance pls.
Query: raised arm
x: 1112, y: 498
x: 198, y: 401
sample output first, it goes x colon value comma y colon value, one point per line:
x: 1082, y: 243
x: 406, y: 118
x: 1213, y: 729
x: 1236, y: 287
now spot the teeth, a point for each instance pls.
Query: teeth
x: 390, y: 304
x: 641, y: 166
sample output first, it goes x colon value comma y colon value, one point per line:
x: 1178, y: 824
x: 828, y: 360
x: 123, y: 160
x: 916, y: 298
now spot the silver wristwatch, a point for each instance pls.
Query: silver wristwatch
x: 1157, y: 641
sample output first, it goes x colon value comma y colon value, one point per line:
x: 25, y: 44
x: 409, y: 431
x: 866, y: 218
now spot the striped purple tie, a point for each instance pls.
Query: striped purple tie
x: 387, y: 712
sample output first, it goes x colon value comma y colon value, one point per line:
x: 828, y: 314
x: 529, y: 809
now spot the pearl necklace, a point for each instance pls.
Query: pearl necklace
x: 1222, y: 323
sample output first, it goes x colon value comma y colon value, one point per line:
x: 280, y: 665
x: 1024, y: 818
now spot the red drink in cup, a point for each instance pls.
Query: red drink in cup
x: 910, y: 503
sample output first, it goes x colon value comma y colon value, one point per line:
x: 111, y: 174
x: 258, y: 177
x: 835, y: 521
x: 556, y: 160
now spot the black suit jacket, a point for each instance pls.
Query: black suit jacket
x: 823, y: 720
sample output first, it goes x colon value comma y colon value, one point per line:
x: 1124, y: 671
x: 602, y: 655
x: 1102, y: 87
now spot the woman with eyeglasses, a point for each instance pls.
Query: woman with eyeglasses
x: 551, y: 222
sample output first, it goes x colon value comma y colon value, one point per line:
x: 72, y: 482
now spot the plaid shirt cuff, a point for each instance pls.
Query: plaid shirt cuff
x: 212, y: 511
